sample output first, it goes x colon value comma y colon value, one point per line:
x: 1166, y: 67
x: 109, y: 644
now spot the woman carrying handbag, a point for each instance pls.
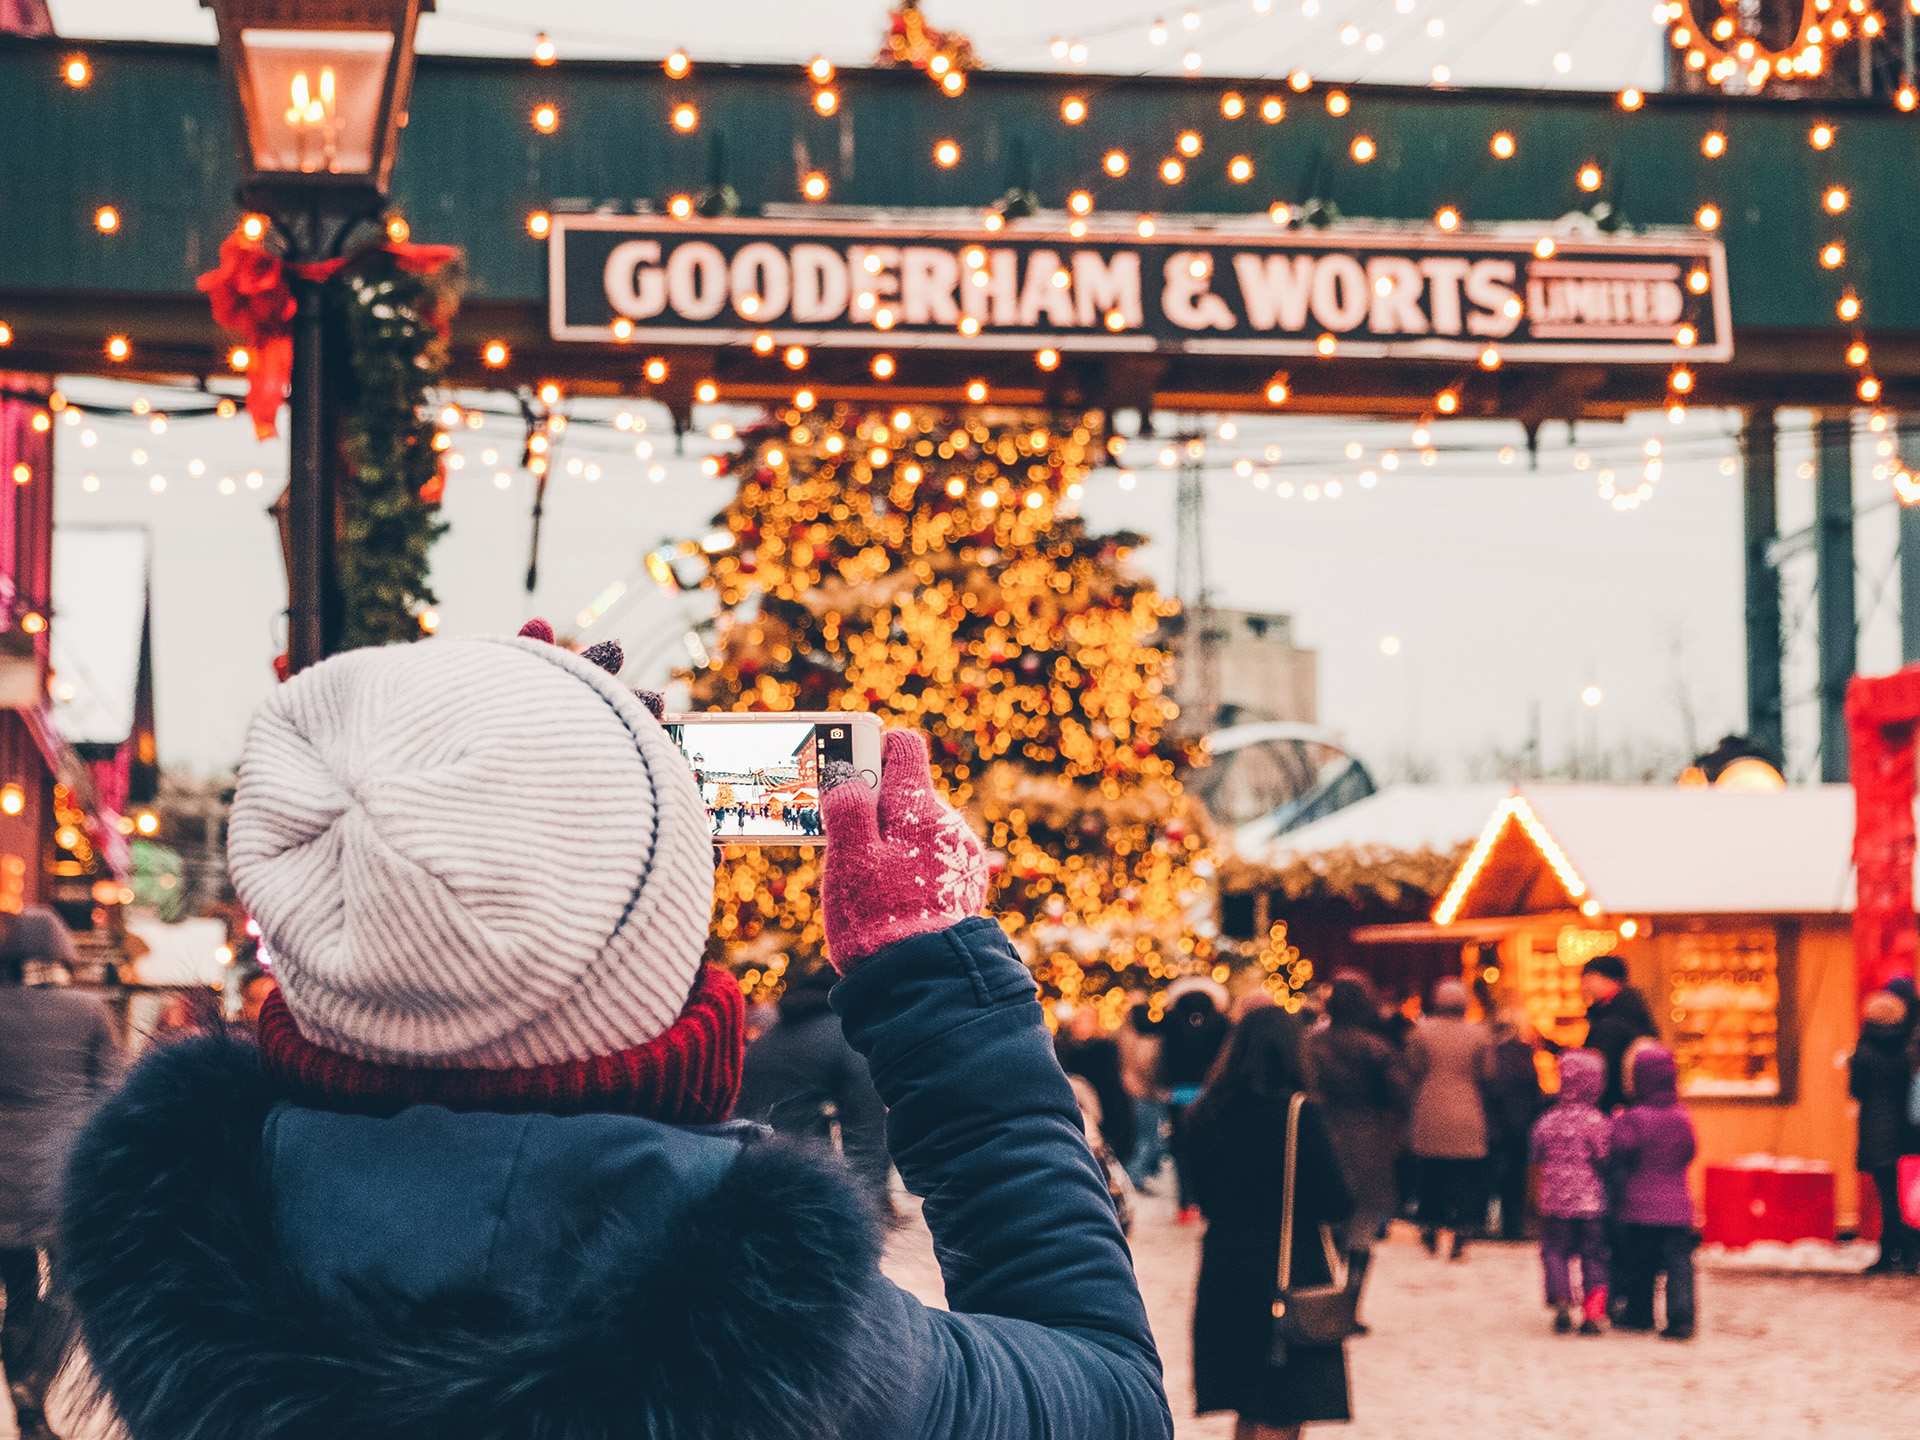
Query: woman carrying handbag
x: 1268, y: 1323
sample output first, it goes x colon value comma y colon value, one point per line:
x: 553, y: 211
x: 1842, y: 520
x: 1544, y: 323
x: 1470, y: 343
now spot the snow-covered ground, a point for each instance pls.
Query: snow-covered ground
x: 1464, y: 1350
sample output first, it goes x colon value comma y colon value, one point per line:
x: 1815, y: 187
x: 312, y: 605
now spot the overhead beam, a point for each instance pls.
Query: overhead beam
x: 473, y: 168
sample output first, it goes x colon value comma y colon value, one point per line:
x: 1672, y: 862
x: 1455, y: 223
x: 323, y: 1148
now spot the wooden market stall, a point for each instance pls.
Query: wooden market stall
x: 1733, y: 912
x: 1378, y: 861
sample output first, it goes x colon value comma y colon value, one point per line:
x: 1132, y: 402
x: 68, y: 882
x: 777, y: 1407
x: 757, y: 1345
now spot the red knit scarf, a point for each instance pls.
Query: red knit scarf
x: 687, y: 1075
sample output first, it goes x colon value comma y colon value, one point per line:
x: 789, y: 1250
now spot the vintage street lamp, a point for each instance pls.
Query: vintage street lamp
x: 319, y: 96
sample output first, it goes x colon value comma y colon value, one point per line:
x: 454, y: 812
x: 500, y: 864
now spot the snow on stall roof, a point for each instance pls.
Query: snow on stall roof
x: 99, y: 606
x: 1400, y: 817
x: 1641, y: 849
x: 1676, y: 850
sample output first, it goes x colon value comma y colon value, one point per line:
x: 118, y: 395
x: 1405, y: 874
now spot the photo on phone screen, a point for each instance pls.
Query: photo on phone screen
x: 761, y: 781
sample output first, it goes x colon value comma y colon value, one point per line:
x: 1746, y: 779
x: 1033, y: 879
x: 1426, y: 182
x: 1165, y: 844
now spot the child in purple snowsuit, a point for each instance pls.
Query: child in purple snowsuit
x: 1570, y: 1147
x: 1653, y: 1144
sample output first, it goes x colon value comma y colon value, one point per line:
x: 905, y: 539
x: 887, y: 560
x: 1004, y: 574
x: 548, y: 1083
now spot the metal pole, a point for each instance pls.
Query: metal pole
x: 309, y: 486
x: 1909, y: 584
x: 1760, y: 463
x: 539, y: 513
x: 1202, y: 653
x: 1834, y: 520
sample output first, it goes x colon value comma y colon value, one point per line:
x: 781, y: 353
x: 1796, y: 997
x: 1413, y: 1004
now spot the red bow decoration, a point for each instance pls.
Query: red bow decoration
x: 250, y: 299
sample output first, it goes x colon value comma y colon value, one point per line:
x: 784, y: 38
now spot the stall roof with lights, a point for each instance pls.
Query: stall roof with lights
x: 146, y: 133
x: 1622, y: 850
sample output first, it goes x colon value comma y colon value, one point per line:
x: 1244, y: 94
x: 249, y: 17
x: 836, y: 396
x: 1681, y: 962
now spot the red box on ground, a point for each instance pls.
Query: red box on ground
x: 1749, y: 1203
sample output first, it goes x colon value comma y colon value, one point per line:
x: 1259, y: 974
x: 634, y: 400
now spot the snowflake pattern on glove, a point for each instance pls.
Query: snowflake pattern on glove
x: 962, y: 883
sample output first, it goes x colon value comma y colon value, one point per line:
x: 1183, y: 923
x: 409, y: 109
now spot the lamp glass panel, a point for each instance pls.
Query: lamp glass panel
x: 316, y: 98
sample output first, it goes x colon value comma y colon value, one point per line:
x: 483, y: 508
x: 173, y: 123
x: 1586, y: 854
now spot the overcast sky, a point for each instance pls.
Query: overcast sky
x: 1447, y: 602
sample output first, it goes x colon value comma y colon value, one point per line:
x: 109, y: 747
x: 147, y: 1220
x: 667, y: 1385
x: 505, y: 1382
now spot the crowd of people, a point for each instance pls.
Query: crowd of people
x: 405, y: 1195
x: 58, y: 1058
x: 760, y: 817
x: 61, y: 1055
x: 1441, y: 1119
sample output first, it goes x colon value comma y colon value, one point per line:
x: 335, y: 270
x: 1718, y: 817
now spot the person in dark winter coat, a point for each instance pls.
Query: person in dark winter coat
x: 1570, y: 1145
x: 1363, y: 1093
x: 1237, y: 1153
x: 477, y: 1180
x: 1906, y: 990
x: 1396, y: 1028
x: 1138, y: 1039
x: 1451, y: 1061
x: 1513, y: 1104
x: 1617, y: 1015
x: 57, y: 1057
x: 1651, y: 1145
x: 1195, y: 1030
x: 1880, y: 1077
x: 1095, y: 1058
x: 804, y: 1080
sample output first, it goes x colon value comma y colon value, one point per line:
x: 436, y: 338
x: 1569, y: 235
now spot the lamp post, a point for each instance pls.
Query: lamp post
x: 319, y: 96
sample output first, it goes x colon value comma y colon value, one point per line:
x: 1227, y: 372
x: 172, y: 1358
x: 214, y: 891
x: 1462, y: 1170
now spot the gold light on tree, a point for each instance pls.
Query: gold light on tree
x: 932, y: 569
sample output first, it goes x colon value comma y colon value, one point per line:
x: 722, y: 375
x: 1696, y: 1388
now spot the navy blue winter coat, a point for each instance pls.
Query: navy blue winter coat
x: 248, y: 1269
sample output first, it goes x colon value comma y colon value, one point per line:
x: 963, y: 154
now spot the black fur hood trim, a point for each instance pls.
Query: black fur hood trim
x: 761, y: 1321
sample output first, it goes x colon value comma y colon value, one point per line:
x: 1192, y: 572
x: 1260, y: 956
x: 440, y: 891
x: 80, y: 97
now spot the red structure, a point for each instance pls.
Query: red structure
x: 1883, y: 719
x: 56, y: 835
x: 27, y: 764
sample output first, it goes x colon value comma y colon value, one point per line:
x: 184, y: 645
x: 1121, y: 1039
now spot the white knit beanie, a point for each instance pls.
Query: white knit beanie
x: 471, y: 853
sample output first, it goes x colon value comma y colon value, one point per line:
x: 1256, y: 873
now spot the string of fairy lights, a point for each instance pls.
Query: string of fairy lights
x: 1306, y: 460
x: 616, y: 439
x: 1362, y: 31
x: 1724, y: 41
x: 1351, y: 39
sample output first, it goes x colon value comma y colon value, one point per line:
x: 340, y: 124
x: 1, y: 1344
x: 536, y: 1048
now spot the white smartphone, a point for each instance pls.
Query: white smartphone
x: 759, y: 771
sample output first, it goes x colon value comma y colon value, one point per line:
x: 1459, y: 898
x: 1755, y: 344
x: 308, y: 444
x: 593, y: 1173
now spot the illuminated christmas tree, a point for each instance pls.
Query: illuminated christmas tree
x: 932, y: 569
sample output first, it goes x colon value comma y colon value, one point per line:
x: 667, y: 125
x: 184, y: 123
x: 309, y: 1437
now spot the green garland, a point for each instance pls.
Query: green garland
x: 389, y: 509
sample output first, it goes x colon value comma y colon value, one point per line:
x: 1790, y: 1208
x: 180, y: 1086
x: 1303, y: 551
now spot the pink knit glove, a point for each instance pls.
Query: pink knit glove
x: 900, y: 862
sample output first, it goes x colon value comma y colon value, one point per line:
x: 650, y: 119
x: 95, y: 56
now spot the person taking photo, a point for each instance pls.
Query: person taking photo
x: 477, y: 1178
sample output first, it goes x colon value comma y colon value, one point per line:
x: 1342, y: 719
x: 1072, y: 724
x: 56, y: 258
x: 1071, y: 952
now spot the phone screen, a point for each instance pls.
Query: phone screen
x: 761, y: 780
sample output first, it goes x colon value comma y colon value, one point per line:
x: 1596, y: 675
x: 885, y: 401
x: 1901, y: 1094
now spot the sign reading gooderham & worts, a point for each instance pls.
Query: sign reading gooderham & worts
x: 1376, y: 292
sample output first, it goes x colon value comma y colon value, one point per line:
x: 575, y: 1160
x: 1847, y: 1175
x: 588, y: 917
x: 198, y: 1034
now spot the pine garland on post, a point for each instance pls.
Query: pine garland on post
x: 394, y: 319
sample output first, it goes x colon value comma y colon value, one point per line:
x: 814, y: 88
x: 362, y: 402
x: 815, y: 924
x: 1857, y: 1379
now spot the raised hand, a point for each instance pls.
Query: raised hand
x: 900, y: 862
